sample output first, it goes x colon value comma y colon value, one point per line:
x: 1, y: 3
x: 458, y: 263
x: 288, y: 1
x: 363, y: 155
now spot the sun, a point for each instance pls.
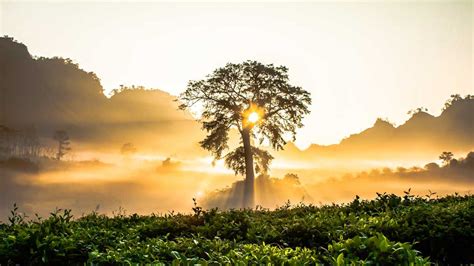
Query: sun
x: 199, y: 194
x: 253, y: 117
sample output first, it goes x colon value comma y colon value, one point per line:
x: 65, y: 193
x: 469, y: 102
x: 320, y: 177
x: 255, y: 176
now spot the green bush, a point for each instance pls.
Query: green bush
x: 387, y: 230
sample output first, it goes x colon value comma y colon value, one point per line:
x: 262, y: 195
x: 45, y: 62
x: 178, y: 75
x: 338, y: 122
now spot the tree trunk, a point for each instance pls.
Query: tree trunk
x: 248, y: 200
x: 58, y: 155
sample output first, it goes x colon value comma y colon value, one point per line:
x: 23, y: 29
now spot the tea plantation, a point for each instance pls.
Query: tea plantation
x: 387, y: 230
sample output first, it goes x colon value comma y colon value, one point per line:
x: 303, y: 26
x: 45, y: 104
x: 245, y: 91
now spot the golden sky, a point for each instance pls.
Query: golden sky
x: 360, y: 60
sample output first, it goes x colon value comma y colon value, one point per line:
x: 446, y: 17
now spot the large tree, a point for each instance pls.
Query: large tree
x: 258, y: 101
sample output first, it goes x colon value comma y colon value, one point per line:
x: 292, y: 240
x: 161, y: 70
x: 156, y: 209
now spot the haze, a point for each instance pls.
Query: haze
x: 71, y: 136
x: 360, y: 61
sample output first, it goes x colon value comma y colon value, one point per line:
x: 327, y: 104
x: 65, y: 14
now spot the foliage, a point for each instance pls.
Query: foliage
x: 230, y: 94
x: 235, y: 160
x: 376, y: 250
x: 456, y: 98
x: 123, y: 88
x: 446, y: 157
x: 417, y: 111
x: 388, y: 230
x: 62, y: 137
x: 256, y: 100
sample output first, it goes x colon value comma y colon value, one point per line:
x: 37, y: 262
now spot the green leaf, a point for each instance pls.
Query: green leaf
x: 340, y: 259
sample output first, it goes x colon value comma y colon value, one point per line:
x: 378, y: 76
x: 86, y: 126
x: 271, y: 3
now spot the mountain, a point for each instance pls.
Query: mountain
x: 45, y: 91
x: 55, y: 93
x: 420, y: 136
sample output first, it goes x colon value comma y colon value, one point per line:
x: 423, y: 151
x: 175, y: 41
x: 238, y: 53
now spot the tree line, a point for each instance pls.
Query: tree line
x: 25, y: 144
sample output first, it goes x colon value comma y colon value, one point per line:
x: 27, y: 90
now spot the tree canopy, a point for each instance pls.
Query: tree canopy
x: 230, y: 91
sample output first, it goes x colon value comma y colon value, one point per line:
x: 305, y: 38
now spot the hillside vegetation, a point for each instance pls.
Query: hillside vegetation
x: 48, y: 94
x: 421, y: 135
x: 386, y: 230
x: 55, y: 93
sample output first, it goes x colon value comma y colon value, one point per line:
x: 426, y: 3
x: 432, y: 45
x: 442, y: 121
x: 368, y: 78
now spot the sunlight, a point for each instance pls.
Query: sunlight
x: 253, y: 117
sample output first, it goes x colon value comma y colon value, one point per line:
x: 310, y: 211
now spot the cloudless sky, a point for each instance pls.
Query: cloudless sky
x: 359, y: 60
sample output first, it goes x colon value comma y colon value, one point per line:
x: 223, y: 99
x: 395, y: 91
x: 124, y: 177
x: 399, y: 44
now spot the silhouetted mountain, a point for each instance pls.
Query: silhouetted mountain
x: 54, y: 93
x: 421, y: 136
x: 46, y: 91
x: 457, y: 175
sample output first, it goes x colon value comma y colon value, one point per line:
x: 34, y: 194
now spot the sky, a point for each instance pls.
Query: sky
x: 359, y: 60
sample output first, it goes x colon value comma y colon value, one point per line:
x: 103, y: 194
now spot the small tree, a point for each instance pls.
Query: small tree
x: 256, y: 100
x: 62, y: 138
x: 128, y: 149
x: 446, y: 157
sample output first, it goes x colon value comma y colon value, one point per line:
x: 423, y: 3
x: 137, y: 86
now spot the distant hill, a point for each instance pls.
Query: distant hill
x: 420, y: 136
x: 54, y: 93
x: 46, y: 91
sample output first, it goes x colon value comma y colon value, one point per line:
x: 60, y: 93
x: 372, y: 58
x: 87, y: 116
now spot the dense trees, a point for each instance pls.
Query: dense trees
x: 456, y: 98
x: 417, y: 110
x: 19, y: 143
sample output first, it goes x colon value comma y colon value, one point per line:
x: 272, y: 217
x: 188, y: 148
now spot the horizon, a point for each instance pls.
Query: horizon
x: 410, y: 113
x: 374, y: 88
x: 143, y: 133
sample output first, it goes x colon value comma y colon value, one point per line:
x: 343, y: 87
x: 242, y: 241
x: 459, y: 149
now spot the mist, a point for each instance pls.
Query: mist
x: 134, y: 185
x: 163, y: 166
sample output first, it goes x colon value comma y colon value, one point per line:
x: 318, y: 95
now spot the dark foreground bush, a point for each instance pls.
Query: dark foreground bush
x: 388, y: 230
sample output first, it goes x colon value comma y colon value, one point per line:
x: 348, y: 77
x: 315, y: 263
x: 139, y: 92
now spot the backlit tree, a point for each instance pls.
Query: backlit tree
x: 62, y: 138
x: 255, y: 99
x: 446, y: 157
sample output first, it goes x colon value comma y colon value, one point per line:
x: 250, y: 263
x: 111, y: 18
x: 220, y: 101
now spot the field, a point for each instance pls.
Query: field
x: 387, y: 230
